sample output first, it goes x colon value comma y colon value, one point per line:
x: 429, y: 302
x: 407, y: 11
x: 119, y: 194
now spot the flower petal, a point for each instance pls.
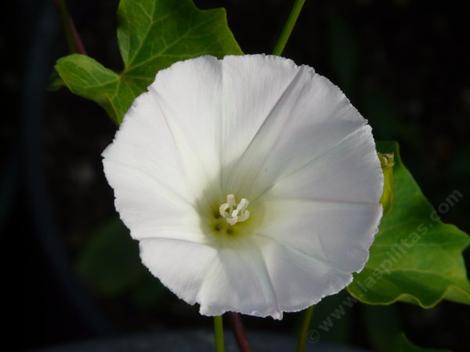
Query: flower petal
x: 338, y: 234
x: 231, y: 278
x: 299, y: 280
x: 147, y: 208
x: 189, y: 95
x: 328, y: 210
x: 309, y: 116
x: 180, y: 265
x: 348, y: 172
x: 146, y: 171
x: 238, y: 281
x: 252, y: 86
x: 144, y: 144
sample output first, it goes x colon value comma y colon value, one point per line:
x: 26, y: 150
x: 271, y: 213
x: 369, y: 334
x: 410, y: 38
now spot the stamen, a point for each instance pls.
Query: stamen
x: 233, y: 212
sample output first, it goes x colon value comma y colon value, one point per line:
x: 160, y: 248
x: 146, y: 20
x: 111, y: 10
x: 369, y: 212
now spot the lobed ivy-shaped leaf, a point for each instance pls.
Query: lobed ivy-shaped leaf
x: 415, y: 257
x: 152, y: 34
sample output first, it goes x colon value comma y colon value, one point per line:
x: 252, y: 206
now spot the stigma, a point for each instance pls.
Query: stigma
x: 233, y: 212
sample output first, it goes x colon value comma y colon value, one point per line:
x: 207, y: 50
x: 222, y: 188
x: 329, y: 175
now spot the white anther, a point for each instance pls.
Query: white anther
x: 233, y: 212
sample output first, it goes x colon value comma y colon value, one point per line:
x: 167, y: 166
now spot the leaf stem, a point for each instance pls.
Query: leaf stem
x: 288, y: 27
x: 304, y: 329
x: 74, y: 41
x: 239, y: 332
x: 219, y: 333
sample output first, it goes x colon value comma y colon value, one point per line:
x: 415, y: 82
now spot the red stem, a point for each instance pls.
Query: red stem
x: 73, y: 38
x: 239, y: 332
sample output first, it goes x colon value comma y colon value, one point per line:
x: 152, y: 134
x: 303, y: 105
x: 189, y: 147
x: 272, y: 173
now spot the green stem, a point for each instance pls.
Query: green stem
x: 288, y: 27
x: 219, y: 334
x: 74, y: 41
x: 304, y: 329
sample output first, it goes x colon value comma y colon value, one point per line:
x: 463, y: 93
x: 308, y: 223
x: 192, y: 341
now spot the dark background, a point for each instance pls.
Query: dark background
x: 403, y: 63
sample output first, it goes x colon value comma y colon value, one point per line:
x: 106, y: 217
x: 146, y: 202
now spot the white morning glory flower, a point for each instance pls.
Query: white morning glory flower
x: 251, y: 183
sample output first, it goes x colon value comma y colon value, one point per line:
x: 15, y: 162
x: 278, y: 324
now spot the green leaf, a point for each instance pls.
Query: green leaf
x: 110, y: 262
x: 152, y: 35
x: 89, y: 79
x: 402, y: 344
x: 415, y: 257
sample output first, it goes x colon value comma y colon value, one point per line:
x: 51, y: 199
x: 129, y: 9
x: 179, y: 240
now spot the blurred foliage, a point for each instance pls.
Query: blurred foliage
x: 384, y: 113
x: 332, y: 318
x: 384, y: 329
x: 110, y: 264
x: 402, y: 344
x: 343, y: 52
x: 8, y: 189
x: 383, y: 326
